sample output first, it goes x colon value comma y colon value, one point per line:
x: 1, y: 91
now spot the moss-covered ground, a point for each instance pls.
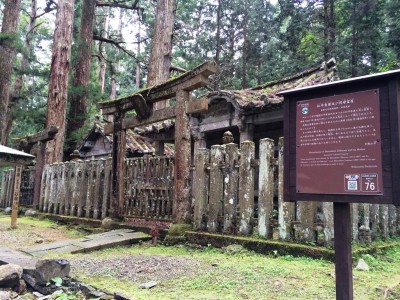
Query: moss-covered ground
x: 189, y: 272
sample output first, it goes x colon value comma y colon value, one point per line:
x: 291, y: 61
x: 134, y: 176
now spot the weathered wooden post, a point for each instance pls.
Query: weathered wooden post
x: 15, y: 201
x: 181, y: 204
x: 200, y: 188
x: 246, y: 186
x: 231, y: 187
x: 216, y: 187
x: 266, y: 187
x: 286, y: 209
x: 118, y: 162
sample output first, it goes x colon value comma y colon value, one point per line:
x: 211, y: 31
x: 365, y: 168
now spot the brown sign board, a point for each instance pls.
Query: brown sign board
x: 342, y: 141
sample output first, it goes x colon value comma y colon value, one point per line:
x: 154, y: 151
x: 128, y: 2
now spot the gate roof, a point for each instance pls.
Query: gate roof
x: 12, y: 157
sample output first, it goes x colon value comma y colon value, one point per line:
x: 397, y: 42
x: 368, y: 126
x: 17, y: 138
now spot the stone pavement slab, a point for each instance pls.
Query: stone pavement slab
x: 10, y: 256
x: 89, y: 243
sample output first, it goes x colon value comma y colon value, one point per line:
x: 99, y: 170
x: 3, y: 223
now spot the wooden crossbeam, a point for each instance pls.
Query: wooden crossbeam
x: 42, y: 136
x: 194, y: 106
x: 188, y: 81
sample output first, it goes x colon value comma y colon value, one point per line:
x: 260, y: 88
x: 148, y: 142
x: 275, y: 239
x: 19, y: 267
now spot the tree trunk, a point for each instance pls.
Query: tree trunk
x: 21, y: 78
x: 326, y: 30
x: 217, y: 76
x: 59, y: 71
x: 115, y: 64
x: 332, y: 28
x: 245, y: 44
x: 103, y: 54
x: 354, y: 42
x: 161, y: 49
x: 137, y: 79
x: 7, y: 52
x: 78, y: 98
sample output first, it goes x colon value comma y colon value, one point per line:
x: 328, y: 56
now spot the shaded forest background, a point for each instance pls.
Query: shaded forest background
x: 252, y: 41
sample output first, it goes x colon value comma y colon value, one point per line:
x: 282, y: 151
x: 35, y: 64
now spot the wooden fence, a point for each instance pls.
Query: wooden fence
x: 225, y: 196
x: 225, y: 199
x: 26, y: 190
x: 149, y: 185
x: 82, y: 188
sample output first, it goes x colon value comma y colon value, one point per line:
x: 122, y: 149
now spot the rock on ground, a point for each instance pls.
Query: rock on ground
x: 10, y: 275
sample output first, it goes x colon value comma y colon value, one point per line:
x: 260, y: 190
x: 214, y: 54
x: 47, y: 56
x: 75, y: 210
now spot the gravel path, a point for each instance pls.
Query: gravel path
x: 138, y: 268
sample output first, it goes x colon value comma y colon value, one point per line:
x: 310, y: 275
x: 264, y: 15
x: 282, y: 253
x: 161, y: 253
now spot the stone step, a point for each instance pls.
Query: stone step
x: 10, y: 256
x: 89, y: 243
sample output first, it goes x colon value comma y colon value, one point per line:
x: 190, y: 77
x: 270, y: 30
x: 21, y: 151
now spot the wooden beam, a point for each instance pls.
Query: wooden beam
x: 43, y: 136
x: 157, y: 116
x: 194, y: 106
x: 197, y: 106
x: 188, y: 81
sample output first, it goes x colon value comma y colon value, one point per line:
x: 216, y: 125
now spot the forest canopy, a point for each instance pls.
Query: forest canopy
x: 252, y: 41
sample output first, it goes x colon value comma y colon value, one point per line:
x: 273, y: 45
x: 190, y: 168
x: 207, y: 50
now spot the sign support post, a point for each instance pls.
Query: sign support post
x: 15, y: 203
x: 343, y: 267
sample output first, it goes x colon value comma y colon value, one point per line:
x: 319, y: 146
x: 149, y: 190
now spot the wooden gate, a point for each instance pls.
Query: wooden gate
x: 149, y: 185
x: 26, y: 189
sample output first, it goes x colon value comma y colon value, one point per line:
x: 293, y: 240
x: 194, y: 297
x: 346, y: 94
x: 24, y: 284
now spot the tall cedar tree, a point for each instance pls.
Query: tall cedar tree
x: 7, y: 52
x: 58, y: 85
x: 161, y: 49
x: 78, y: 97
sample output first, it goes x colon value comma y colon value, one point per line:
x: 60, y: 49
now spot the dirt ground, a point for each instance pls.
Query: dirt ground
x: 28, y: 233
x: 137, y: 269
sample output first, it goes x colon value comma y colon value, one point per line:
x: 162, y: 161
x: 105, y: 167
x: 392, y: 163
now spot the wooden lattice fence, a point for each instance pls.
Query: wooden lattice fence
x: 82, y: 188
x: 26, y: 190
x: 149, y: 185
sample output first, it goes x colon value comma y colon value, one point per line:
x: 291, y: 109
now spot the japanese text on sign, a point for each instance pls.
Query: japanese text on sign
x: 338, y: 144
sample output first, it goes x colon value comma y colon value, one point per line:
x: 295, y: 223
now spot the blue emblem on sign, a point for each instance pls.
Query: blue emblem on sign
x: 304, y: 110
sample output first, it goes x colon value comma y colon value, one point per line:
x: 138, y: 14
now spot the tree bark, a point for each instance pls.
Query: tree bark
x: 326, y: 30
x: 7, y: 53
x: 115, y: 64
x: 103, y: 54
x: 354, y: 42
x: 59, y: 71
x: 245, y: 44
x: 161, y: 49
x: 217, y: 76
x: 78, y: 98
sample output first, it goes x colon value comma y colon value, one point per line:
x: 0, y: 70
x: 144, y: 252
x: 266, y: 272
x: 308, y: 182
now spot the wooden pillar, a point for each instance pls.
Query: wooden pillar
x: 181, y: 201
x: 159, y: 148
x: 15, y: 203
x: 246, y: 132
x: 41, y: 147
x: 118, y: 162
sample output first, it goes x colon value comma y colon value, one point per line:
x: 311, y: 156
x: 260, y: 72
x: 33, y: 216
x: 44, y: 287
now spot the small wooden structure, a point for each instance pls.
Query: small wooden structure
x: 98, y: 144
x: 142, y: 102
x: 36, y: 144
x: 12, y: 157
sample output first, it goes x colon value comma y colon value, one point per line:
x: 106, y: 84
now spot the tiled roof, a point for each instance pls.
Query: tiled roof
x: 135, y: 143
x: 264, y: 97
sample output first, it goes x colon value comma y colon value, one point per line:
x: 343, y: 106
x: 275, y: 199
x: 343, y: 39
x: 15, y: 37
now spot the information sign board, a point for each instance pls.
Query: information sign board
x: 342, y: 141
x: 338, y: 143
